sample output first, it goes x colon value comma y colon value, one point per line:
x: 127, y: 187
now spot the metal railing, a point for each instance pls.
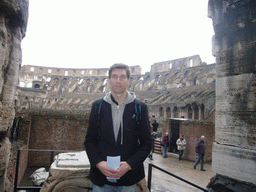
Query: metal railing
x: 150, y: 166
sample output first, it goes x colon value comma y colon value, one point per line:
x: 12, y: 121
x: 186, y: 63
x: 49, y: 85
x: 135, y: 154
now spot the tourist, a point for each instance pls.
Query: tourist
x: 200, y: 149
x: 118, y: 137
x: 155, y: 126
x: 150, y: 156
x: 165, y: 143
x: 181, y: 145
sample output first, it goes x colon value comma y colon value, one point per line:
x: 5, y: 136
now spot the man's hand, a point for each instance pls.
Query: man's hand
x: 124, y: 168
x: 105, y: 170
x: 114, y: 173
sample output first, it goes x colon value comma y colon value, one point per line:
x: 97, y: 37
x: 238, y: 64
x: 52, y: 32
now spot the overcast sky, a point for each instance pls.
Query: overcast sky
x: 99, y: 33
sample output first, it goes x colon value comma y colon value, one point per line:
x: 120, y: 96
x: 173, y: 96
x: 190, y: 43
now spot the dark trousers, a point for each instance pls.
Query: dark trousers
x: 180, y: 154
x: 200, y: 158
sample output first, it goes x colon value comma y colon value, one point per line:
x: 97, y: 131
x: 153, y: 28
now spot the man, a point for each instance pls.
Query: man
x: 200, y: 149
x: 118, y: 136
x: 165, y: 143
x: 181, y: 145
x: 150, y: 156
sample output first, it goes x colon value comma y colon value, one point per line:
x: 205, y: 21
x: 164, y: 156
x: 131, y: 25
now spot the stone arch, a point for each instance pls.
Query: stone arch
x: 96, y: 79
x: 161, y: 112
x: 201, y: 111
x: 64, y: 80
x: 168, y: 112
x: 196, y: 112
x: 175, y: 112
x: 56, y: 80
x: 186, y: 73
x: 157, y: 76
x: 194, y: 80
x: 190, y: 112
x: 147, y: 78
x: 37, y: 86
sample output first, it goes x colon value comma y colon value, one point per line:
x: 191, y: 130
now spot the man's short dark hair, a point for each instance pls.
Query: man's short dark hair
x: 120, y: 66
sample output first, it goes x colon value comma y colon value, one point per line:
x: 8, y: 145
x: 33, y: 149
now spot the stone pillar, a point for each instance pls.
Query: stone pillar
x: 234, y: 46
x: 13, y: 22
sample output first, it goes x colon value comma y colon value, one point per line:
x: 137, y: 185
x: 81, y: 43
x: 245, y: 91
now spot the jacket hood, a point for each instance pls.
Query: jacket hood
x: 117, y: 112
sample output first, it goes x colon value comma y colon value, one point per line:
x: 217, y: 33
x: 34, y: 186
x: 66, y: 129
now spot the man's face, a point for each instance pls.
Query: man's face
x: 119, y: 81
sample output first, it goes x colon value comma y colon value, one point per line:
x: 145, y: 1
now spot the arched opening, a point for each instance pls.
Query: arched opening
x: 56, y: 80
x: 196, y: 112
x: 175, y: 112
x: 202, y: 111
x: 168, y: 112
x: 64, y: 80
x: 190, y: 112
x: 37, y: 86
x: 194, y: 81
x: 186, y: 73
x: 161, y: 112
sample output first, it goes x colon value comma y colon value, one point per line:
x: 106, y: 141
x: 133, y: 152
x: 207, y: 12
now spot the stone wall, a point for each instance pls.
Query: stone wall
x: 176, y: 64
x: 13, y: 22
x: 234, y: 151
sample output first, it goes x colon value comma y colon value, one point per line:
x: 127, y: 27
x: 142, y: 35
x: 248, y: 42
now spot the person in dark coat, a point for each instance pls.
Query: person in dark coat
x: 200, y: 149
x: 150, y: 156
x: 118, y: 137
x: 155, y: 126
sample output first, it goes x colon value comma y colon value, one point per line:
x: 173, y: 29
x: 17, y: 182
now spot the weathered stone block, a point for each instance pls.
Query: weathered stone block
x: 234, y: 162
x: 236, y: 129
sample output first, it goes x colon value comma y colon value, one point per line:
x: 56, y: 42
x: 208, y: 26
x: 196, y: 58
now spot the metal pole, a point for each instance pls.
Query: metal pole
x: 52, y: 156
x: 149, y: 176
x: 177, y: 177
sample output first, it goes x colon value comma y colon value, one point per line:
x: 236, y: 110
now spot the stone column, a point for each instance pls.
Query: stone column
x: 234, y: 46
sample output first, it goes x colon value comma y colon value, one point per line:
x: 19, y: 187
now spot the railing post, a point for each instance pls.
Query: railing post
x: 52, y: 156
x: 149, y: 176
x: 17, y: 170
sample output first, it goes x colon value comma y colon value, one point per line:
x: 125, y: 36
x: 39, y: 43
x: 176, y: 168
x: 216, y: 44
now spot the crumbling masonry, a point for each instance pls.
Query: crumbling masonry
x: 13, y: 22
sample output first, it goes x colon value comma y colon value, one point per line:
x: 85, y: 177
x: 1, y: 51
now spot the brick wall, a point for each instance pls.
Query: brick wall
x: 54, y: 133
x: 192, y: 131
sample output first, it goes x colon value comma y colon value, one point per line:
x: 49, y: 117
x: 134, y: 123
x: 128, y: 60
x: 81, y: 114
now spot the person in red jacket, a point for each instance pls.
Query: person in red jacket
x: 118, y: 137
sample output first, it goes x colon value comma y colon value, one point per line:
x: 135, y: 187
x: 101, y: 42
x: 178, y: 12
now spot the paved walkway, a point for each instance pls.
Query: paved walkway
x: 162, y: 182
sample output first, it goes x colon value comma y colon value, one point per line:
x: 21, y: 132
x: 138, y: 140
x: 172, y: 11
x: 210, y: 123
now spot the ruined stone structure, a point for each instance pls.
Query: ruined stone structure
x: 13, y: 22
x: 183, y: 90
x: 234, y: 152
